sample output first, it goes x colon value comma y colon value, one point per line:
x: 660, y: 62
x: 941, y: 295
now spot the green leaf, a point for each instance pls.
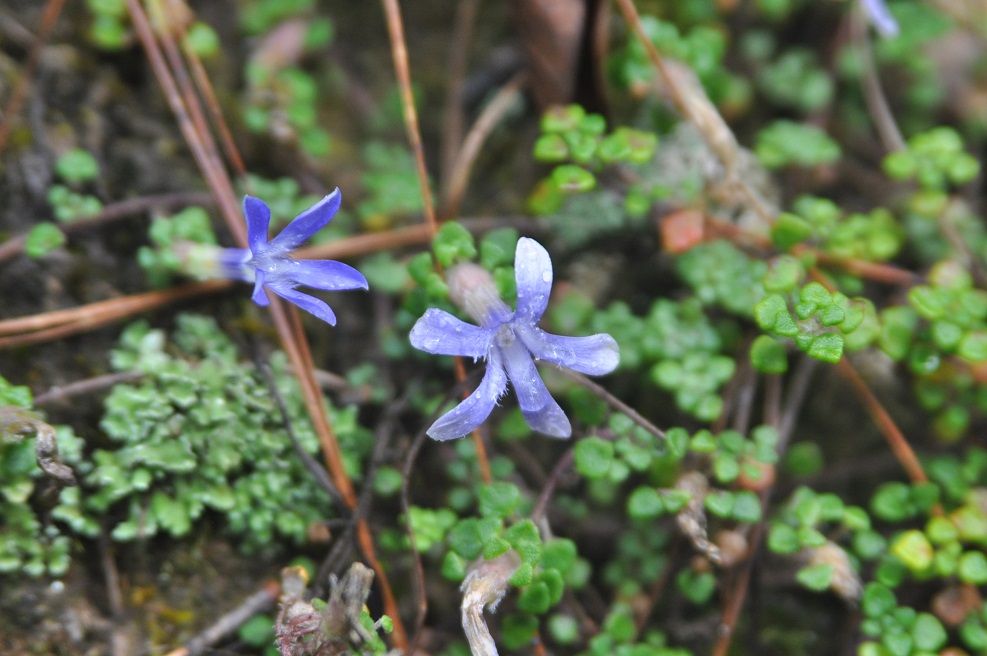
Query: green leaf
x: 914, y: 550
x: 43, y: 239
x: 973, y: 568
x: 697, y: 587
x: 877, y: 600
x: 783, y: 539
x: 928, y: 632
x: 572, y: 178
x: 258, y: 631
x: 772, y: 314
x: 827, y: 347
x: 816, y: 577
x: 645, y: 502
x: 468, y: 536
x: 495, y: 546
x: 526, y: 540
x: 719, y: 503
x: 559, y: 554
x: 498, y: 499
x: 787, y: 231
x: 593, y: 457
x: 551, y: 148
x: 518, y: 630
x: 453, y: 244
x: 536, y: 598
x: 768, y: 355
x: 746, y: 507
x: 77, y: 165
x: 677, y: 439
x: 522, y: 576
x: 453, y: 566
x: 973, y: 346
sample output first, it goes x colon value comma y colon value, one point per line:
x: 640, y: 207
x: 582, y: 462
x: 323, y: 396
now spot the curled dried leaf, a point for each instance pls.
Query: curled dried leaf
x: 17, y: 424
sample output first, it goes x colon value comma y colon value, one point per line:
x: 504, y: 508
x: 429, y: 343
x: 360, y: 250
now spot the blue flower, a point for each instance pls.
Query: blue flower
x: 880, y: 17
x: 507, y: 341
x: 267, y: 263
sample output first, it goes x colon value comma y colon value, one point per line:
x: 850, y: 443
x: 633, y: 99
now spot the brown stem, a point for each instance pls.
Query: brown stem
x: 258, y: 602
x: 452, y: 113
x: 63, y: 393
x: 895, y: 438
x: 462, y: 167
x: 877, y: 102
x: 194, y: 128
x: 48, y: 20
x: 615, y: 403
x: 399, y: 51
x: 62, y: 323
x: 112, y: 212
x: 219, y: 183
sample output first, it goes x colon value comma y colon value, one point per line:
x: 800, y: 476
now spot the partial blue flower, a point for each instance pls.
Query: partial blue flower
x: 268, y: 263
x: 880, y: 17
x: 508, y: 341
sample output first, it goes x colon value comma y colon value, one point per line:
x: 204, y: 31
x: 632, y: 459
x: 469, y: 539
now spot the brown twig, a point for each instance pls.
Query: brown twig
x: 895, y: 438
x: 452, y: 113
x: 49, y: 17
x: 399, y: 52
x: 204, y: 85
x: 614, y: 402
x: 877, y: 102
x: 258, y: 602
x: 63, y: 393
x: 462, y: 166
x: 63, y: 323
x: 58, y: 324
x: 419, y: 570
x: 551, y: 483
x: 110, y: 213
x: 219, y: 183
x: 179, y: 92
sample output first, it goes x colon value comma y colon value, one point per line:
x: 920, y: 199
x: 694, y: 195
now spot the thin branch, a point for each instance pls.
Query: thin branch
x: 317, y: 471
x: 895, y: 438
x: 44, y: 327
x: 399, y: 52
x: 64, y: 393
x: 112, y: 212
x: 877, y: 102
x: 419, y: 570
x: 462, y: 167
x: 49, y: 18
x: 614, y: 402
x: 548, y: 489
x: 452, y: 113
x: 259, y: 602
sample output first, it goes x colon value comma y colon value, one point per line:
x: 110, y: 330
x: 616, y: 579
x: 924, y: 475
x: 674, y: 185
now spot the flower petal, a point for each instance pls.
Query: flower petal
x: 538, y: 407
x: 440, y: 333
x: 258, y: 216
x: 233, y: 264
x: 307, y: 303
x: 324, y: 274
x: 476, y: 408
x: 881, y: 18
x: 533, y: 274
x: 308, y: 223
x: 259, y: 296
x: 594, y: 355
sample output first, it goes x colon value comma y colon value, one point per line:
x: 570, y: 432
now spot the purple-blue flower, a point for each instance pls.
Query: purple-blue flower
x: 268, y: 264
x: 880, y: 17
x: 507, y: 341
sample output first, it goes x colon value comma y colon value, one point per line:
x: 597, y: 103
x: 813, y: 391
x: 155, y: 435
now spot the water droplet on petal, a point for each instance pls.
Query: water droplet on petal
x: 546, y: 276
